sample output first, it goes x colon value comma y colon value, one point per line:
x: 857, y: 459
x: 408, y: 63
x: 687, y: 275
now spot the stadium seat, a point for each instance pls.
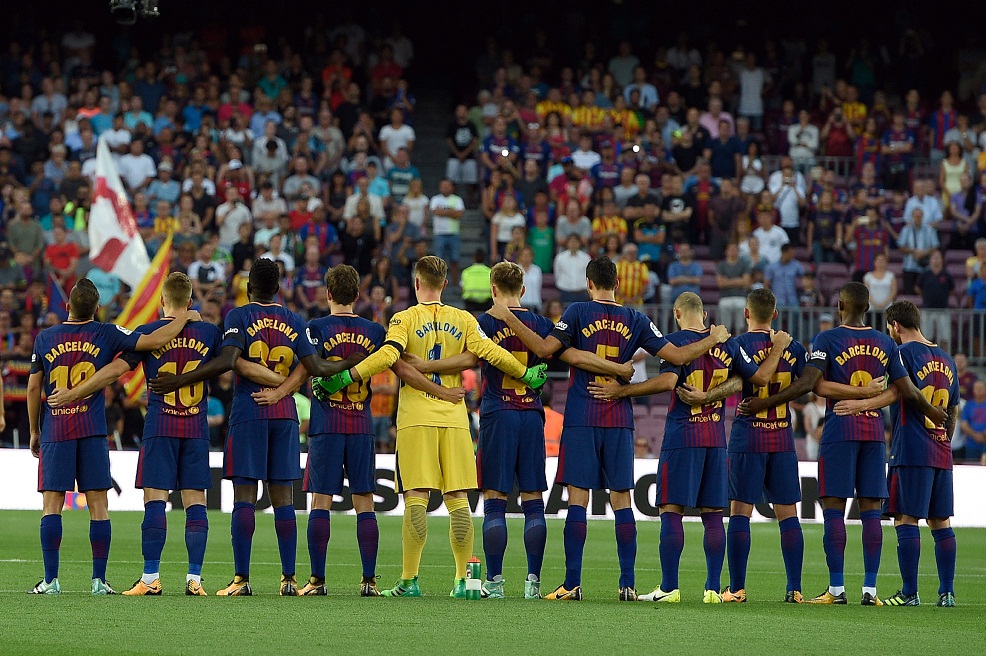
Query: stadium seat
x: 952, y: 257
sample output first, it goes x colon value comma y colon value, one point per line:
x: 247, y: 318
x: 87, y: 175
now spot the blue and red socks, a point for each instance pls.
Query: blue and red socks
x: 672, y: 544
x: 368, y: 538
x: 196, y: 538
x: 153, y: 533
x: 908, y: 556
x: 715, y: 548
x: 872, y: 548
x: 535, y: 535
x: 494, y: 535
x: 574, y: 546
x: 793, y: 550
x: 286, y: 529
x: 319, y: 532
x: 242, y: 526
x: 626, y: 545
x: 834, y: 543
x: 100, y: 535
x: 51, y: 543
x: 945, y: 557
x: 738, y: 550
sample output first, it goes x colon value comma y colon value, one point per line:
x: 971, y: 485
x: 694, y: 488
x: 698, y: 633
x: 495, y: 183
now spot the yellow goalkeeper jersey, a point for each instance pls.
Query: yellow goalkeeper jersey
x: 433, y: 331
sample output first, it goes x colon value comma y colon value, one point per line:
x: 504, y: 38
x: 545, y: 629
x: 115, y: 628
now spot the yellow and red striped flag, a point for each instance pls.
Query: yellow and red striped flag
x: 142, y: 308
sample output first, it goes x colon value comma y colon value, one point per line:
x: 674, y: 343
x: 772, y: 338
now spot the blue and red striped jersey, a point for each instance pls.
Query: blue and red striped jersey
x: 500, y: 391
x: 181, y: 413
x: 336, y: 337
x: 917, y: 442
x: 270, y: 335
x: 852, y: 355
x: 310, y: 280
x: 769, y: 431
x: 698, y: 425
x: 67, y: 354
x: 610, y: 331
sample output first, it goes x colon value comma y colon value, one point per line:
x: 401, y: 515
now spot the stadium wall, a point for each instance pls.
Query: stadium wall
x: 18, y: 482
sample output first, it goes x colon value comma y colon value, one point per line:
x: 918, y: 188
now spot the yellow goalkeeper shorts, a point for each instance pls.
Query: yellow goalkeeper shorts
x: 435, y: 458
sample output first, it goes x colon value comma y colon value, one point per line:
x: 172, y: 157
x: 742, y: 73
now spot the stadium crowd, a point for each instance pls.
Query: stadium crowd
x: 715, y: 171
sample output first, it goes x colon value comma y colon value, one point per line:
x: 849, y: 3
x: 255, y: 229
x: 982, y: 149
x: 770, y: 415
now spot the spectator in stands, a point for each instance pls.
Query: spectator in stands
x: 788, y: 195
x: 899, y: 144
x: 677, y: 210
x: 725, y: 153
x: 803, y: 138
x: 359, y: 245
x: 783, y: 277
x: 608, y: 224
x: 541, y: 239
x: 633, y: 276
x: 974, y: 424
x: 136, y: 168
x: 531, y: 183
x: 966, y: 210
x: 446, y: 215
x: 25, y: 236
x: 725, y: 210
x: 569, y: 268
x: 977, y: 291
x: 924, y: 198
x: 916, y: 242
x: 809, y: 295
x: 935, y: 286
x: 230, y: 216
x: 977, y: 260
x: 531, y: 298
x: 362, y: 191
x: 499, y: 151
x: 733, y: 279
x: 825, y: 230
x: 770, y: 237
x: 502, y: 225
x: 881, y: 283
x: 684, y: 274
x: 206, y: 274
x: 967, y: 377
x: 573, y: 222
x: 462, y: 139
x: 814, y: 420
x: 869, y: 239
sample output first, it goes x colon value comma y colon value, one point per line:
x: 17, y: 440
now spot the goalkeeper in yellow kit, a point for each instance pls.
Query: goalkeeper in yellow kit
x: 434, y: 446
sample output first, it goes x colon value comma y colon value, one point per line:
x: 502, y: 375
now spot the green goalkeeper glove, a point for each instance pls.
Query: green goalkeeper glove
x: 536, y: 377
x: 323, y: 388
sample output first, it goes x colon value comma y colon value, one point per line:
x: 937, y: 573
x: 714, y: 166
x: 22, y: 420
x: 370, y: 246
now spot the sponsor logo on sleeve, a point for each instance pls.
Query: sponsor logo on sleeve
x: 818, y: 355
x: 561, y: 325
x: 479, y: 330
x: 125, y: 331
x: 654, y: 329
x: 744, y: 354
x: 312, y: 340
x: 231, y: 331
x: 34, y: 357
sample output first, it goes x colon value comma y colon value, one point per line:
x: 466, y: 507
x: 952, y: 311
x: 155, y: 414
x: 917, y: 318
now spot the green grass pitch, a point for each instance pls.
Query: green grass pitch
x: 76, y: 623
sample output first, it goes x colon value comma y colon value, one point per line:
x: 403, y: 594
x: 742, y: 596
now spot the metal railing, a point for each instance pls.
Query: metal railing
x: 845, y: 167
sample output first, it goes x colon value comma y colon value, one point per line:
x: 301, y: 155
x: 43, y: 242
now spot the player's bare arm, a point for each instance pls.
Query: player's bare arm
x: 225, y: 361
x: 780, y: 340
x: 541, y: 347
x: 839, y: 391
x: 317, y: 366
x: 681, y: 355
x: 34, y: 383
x: 953, y: 419
x: 419, y: 381
x: 100, y: 380
x: 695, y: 396
x: 609, y: 391
x: 803, y: 385
x: 597, y: 365
x: 287, y: 387
x: 857, y: 406
x: 913, y: 397
x: 258, y: 373
x: 167, y: 332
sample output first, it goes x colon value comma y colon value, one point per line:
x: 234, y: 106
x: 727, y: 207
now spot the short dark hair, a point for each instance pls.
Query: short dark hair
x: 83, y: 299
x: 761, y: 303
x: 856, y: 298
x: 342, y: 282
x: 602, y: 272
x: 904, y: 313
x: 265, y: 277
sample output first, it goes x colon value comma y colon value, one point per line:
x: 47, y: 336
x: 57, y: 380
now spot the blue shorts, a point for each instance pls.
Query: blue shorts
x: 694, y: 477
x: 511, y: 447
x: 84, y: 461
x: 329, y: 454
x: 754, y: 477
x: 174, y: 463
x: 848, y: 470
x: 447, y: 247
x: 922, y: 492
x: 263, y: 450
x: 596, y: 458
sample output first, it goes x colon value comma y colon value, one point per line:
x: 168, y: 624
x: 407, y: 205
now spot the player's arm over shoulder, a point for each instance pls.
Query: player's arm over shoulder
x: 392, y: 348
x: 165, y: 333
x: 479, y: 343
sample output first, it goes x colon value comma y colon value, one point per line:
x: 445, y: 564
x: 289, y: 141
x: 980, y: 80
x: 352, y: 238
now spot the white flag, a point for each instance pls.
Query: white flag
x: 115, y: 245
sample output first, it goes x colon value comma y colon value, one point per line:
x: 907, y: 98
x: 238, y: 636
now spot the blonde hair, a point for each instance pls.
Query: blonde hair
x: 177, y: 289
x: 507, y: 277
x: 432, y: 271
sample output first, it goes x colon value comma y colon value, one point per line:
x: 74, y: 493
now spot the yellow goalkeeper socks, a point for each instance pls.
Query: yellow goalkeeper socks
x: 415, y: 534
x: 460, y: 533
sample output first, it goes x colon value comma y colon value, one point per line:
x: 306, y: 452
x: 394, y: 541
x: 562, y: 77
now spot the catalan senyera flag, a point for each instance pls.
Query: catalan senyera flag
x: 142, y: 308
